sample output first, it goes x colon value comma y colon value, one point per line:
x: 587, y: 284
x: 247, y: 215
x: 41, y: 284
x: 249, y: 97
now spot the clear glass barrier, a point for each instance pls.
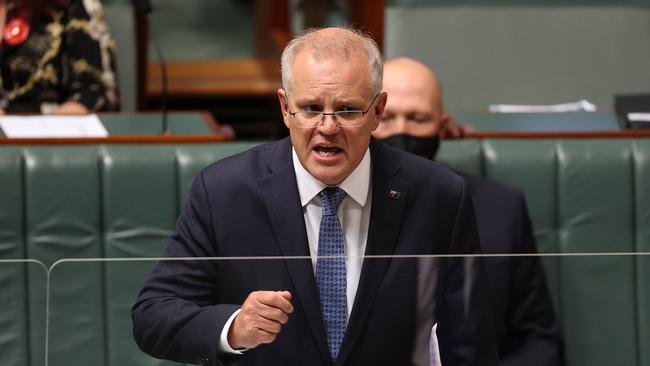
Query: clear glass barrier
x: 601, y: 304
x: 22, y: 311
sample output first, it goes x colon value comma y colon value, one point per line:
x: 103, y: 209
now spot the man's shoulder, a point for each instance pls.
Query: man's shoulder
x: 501, y: 215
x: 251, y: 160
x: 415, y: 168
x: 486, y: 188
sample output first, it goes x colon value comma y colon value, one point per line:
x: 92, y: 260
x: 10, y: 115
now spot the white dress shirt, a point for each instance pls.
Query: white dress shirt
x: 353, y: 213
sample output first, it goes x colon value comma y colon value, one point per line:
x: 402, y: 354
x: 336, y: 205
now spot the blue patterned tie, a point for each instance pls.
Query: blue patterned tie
x: 330, y: 272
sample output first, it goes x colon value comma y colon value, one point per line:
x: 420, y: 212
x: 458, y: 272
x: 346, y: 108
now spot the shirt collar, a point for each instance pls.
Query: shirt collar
x: 356, y: 185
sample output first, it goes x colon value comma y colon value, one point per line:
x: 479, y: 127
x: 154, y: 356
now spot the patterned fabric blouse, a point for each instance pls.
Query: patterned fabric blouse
x: 68, y: 56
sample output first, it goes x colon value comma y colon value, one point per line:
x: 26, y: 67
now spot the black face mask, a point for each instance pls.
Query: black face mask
x: 423, y: 146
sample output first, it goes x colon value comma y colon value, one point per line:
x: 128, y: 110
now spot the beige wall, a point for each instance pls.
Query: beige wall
x: 526, y: 55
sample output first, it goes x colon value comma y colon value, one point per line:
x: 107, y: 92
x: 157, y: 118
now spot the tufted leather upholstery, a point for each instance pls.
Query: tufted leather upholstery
x: 584, y: 195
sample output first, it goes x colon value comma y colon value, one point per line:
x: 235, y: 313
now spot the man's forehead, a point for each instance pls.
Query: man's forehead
x: 415, y: 93
x: 345, y: 79
x: 416, y: 87
x: 408, y: 99
x: 409, y: 72
x: 308, y: 55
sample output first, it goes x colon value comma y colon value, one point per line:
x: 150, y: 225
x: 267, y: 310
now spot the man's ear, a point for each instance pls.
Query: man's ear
x: 381, y: 104
x: 379, y: 109
x: 449, y: 128
x: 284, y: 106
x: 445, y: 118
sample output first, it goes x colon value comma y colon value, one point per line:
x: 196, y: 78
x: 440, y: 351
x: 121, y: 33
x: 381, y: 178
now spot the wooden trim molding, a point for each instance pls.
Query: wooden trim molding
x: 142, y: 59
x: 125, y: 139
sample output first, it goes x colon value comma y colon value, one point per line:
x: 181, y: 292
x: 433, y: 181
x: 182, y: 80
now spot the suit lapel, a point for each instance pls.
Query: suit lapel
x: 280, y: 193
x: 389, y: 197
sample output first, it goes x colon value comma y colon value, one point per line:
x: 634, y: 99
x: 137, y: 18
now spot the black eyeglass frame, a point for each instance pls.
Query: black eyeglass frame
x: 333, y: 114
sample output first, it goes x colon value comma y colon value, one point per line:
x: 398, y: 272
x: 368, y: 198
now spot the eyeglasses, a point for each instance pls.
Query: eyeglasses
x: 311, y: 119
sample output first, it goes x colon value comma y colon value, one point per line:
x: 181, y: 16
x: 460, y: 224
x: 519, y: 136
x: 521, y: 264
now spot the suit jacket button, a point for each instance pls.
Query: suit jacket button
x: 203, y: 361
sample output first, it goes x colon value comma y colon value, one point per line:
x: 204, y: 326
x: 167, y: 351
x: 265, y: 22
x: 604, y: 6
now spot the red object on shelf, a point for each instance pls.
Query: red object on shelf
x: 16, y: 32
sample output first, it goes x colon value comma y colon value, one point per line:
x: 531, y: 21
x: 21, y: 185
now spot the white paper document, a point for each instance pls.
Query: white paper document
x: 580, y: 106
x: 52, y: 126
x: 638, y: 117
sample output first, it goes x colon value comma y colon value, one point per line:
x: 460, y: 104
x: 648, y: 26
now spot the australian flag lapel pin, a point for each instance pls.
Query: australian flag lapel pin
x: 394, y: 194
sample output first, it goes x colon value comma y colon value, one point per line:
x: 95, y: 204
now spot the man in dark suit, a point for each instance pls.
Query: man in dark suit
x: 332, y: 194
x: 527, y: 331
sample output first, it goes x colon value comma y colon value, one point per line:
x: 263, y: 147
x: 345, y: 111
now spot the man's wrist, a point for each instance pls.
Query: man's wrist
x: 224, y: 346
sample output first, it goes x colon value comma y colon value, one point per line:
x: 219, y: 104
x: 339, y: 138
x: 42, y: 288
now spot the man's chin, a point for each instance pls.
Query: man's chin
x: 330, y: 175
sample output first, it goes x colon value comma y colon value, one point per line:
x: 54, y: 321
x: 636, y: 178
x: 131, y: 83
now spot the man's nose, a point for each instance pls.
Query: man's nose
x: 328, y: 125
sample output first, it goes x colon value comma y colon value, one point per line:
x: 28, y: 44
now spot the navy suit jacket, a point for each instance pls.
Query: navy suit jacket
x: 527, y: 331
x: 248, y: 205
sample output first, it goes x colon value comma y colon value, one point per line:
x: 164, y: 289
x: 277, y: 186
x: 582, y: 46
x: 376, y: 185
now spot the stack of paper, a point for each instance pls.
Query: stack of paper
x: 638, y: 117
x: 52, y: 126
x: 580, y: 106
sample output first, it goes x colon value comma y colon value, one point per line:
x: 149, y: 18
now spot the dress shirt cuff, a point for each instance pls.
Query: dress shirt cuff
x: 224, y: 346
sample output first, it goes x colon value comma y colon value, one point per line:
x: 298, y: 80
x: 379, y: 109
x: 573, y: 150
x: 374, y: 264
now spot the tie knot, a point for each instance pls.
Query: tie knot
x: 332, y: 198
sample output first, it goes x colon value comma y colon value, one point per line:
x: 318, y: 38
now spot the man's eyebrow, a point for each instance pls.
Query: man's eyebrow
x: 337, y: 103
x: 308, y: 100
x: 357, y: 99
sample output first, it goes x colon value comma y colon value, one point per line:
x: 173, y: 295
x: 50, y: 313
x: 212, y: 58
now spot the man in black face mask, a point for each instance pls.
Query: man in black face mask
x: 415, y: 117
x: 527, y: 331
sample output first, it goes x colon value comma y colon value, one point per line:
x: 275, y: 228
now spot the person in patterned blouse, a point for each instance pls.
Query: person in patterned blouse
x: 56, y: 56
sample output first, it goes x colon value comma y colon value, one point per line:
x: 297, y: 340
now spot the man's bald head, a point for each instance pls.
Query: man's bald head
x: 414, y: 105
x: 405, y: 73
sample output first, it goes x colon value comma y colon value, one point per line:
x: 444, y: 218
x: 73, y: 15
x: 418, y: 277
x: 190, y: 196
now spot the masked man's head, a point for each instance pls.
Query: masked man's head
x: 414, y: 113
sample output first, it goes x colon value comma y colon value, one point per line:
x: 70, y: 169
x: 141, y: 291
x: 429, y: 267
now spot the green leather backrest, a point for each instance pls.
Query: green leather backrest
x: 14, y: 343
x: 117, y: 201
x: 584, y: 196
x: 62, y: 220
x: 85, y: 202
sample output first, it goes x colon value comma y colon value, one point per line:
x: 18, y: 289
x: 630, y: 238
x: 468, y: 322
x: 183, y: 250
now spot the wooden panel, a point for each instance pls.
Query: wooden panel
x: 139, y: 139
x: 142, y: 24
x: 272, y: 28
x: 368, y: 15
x: 214, y: 78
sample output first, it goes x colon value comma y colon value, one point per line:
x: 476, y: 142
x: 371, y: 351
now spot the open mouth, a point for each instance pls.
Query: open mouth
x: 327, y: 151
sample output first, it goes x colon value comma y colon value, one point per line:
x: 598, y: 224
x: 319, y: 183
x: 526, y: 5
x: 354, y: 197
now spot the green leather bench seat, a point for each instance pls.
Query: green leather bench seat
x: 117, y: 201
x: 584, y: 196
x: 84, y: 202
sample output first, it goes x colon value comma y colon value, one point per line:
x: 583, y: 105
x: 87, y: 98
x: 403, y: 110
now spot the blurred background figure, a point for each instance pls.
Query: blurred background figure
x: 527, y: 331
x: 57, y: 56
x: 417, y: 120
